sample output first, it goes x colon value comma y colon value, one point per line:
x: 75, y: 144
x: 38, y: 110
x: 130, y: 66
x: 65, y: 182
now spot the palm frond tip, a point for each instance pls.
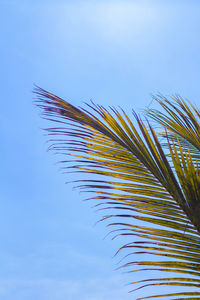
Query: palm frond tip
x: 158, y: 199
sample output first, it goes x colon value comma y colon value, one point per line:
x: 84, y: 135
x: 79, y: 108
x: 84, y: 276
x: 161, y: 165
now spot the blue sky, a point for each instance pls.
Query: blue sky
x: 114, y: 52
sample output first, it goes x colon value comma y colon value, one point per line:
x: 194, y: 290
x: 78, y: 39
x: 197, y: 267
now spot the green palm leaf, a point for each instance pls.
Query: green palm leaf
x: 181, y: 120
x: 155, y: 202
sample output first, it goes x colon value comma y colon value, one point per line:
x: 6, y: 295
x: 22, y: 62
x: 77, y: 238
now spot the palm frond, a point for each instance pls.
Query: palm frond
x: 158, y: 207
x: 179, y: 119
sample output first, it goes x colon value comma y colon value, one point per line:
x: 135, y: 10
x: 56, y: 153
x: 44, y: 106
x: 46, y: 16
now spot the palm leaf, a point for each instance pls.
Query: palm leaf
x: 155, y: 204
x: 181, y: 120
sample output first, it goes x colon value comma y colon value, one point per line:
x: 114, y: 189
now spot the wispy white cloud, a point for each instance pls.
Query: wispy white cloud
x: 123, y: 19
x: 116, y: 21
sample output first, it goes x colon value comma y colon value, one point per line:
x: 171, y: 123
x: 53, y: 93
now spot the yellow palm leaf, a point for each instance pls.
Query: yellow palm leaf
x: 153, y: 198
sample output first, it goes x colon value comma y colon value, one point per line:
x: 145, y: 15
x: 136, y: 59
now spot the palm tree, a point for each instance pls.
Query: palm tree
x: 149, y: 180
